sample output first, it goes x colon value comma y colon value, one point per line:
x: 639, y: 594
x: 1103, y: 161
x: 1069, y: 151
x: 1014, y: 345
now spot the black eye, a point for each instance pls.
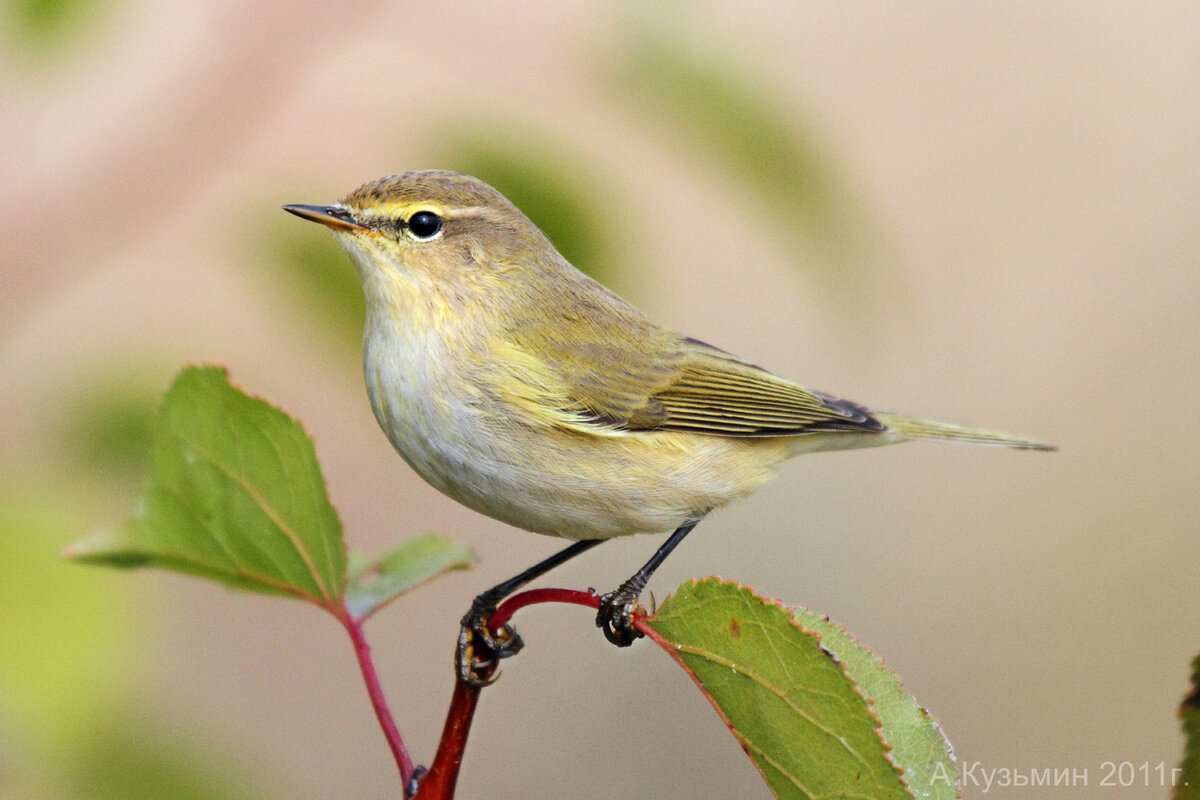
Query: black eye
x: 424, y: 224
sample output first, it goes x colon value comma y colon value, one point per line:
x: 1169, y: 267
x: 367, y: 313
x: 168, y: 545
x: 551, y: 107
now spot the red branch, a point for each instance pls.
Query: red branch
x: 443, y: 775
x: 362, y: 651
x: 590, y: 599
x: 515, y: 603
x: 439, y: 782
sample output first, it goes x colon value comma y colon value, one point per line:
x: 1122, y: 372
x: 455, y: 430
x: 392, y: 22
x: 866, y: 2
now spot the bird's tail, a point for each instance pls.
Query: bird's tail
x: 909, y: 428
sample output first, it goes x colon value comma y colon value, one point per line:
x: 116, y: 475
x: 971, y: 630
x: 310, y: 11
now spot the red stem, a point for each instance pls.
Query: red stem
x: 443, y: 775
x: 590, y: 599
x: 439, y: 782
x: 518, y: 601
x: 362, y: 652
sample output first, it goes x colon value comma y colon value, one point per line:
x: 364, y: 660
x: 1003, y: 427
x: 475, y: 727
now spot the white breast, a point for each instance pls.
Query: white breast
x: 420, y: 403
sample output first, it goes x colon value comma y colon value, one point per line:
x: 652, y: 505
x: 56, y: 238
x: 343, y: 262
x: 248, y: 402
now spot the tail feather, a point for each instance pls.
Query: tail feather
x: 907, y: 427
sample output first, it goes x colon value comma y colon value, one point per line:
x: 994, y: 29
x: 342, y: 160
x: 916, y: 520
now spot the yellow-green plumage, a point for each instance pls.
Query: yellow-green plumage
x: 527, y: 391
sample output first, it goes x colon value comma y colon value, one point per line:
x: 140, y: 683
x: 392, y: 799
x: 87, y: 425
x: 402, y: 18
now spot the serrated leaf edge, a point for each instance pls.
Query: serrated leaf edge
x: 871, y: 700
x: 320, y: 474
x: 675, y: 649
x: 85, y: 549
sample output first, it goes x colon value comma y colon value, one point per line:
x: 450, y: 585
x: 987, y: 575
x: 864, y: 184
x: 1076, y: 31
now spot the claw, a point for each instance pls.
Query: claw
x: 473, y: 670
x: 478, y: 652
x: 615, y: 617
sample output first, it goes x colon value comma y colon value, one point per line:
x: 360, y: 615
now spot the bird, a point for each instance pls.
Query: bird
x: 524, y: 389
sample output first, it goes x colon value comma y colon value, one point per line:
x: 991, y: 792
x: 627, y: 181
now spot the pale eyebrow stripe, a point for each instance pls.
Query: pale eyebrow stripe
x: 485, y: 212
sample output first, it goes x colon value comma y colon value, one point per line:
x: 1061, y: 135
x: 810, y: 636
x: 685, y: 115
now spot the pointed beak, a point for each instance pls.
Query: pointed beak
x: 337, y: 218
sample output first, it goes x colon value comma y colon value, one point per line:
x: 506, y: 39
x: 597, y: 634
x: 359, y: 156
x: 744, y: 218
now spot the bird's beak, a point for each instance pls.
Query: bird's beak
x: 338, y: 218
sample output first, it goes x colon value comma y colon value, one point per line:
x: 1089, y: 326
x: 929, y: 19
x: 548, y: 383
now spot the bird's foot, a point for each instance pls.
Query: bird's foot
x: 615, y: 616
x: 477, y: 656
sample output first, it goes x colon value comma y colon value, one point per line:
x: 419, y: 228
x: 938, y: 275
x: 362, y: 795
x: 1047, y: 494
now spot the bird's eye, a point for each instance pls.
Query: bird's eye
x: 424, y: 225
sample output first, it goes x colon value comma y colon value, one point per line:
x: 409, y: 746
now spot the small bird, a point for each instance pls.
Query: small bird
x: 527, y: 391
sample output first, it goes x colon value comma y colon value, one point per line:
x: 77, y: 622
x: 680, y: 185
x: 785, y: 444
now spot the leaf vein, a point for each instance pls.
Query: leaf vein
x: 271, y: 512
x: 763, y: 682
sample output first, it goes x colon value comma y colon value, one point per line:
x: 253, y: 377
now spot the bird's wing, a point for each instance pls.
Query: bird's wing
x: 717, y: 393
x: 655, y: 380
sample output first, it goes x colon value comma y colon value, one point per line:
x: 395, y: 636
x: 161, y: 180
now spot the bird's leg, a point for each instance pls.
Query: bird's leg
x: 615, y: 616
x: 479, y: 651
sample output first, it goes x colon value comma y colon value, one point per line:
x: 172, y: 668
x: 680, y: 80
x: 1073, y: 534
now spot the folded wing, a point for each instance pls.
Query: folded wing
x: 660, y: 381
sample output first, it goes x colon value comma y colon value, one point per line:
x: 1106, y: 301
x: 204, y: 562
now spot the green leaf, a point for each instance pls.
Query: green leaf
x: 1187, y: 784
x: 374, y: 584
x: 235, y: 495
x: 792, y: 707
x: 918, y: 745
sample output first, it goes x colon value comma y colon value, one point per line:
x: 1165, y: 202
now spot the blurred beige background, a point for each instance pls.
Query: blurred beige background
x: 1001, y: 227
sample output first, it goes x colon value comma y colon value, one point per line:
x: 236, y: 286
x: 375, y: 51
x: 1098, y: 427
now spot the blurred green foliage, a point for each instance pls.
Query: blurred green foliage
x: 549, y: 185
x: 729, y: 119
x: 70, y: 638
x: 63, y: 631
x: 314, y: 272
x: 106, y: 424
x: 132, y: 758
x: 70, y: 728
x: 37, y: 22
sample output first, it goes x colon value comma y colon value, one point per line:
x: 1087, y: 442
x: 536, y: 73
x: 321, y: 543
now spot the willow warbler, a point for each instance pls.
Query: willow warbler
x: 527, y: 391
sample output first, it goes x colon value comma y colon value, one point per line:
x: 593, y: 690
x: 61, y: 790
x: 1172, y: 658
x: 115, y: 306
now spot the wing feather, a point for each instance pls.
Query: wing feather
x: 645, y: 378
x: 715, y: 392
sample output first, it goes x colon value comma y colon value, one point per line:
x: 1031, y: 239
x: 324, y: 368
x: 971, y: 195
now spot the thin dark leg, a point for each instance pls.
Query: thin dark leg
x: 489, y: 599
x: 478, y: 651
x: 615, y: 617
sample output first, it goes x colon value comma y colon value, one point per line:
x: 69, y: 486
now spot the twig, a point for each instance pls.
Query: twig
x: 362, y: 651
x: 439, y: 782
x: 527, y: 598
